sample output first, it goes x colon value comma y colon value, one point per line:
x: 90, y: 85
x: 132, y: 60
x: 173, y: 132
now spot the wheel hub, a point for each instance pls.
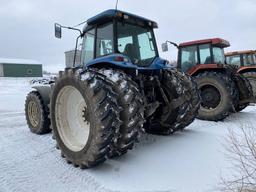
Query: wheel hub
x: 211, y: 97
x: 33, y: 113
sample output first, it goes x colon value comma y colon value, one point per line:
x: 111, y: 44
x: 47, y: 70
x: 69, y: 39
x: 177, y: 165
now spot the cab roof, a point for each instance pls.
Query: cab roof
x: 111, y: 14
x: 240, y: 52
x: 214, y: 41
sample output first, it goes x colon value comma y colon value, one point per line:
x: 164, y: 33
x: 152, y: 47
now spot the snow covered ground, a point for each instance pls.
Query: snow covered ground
x: 193, y: 160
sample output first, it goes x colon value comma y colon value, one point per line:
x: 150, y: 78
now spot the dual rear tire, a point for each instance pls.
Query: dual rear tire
x: 181, y: 91
x: 95, y: 115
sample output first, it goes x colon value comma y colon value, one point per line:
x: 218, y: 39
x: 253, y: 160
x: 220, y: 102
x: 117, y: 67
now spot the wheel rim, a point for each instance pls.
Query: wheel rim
x: 211, y: 97
x: 72, y: 119
x: 33, y: 113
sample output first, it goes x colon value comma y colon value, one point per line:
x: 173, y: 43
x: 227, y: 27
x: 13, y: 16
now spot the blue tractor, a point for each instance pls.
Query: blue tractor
x: 122, y: 88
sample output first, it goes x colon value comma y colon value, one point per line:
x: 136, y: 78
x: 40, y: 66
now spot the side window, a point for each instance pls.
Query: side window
x: 205, y: 54
x: 104, y: 43
x: 188, y: 57
x: 146, y: 46
x: 233, y: 60
x: 248, y: 59
x: 88, y: 46
x: 218, y: 55
x: 122, y: 42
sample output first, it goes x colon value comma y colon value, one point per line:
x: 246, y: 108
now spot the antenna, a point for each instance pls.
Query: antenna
x: 116, y: 4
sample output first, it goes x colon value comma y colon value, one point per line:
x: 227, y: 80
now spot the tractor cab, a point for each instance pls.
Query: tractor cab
x: 241, y: 58
x: 208, y: 53
x: 120, y: 39
x: 246, y: 62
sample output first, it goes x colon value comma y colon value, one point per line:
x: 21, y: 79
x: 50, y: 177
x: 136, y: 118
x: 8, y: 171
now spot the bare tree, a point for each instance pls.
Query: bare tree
x: 242, y: 153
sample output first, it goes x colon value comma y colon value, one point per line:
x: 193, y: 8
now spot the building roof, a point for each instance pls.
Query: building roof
x: 214, y: 41
x: 19, y: 61
x: 240, y: 52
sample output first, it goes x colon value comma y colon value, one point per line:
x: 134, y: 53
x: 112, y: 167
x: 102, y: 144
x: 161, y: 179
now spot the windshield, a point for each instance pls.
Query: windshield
x: 137, y: 43
x: 218, y: 55
x: 234, y: 60
x: 249, y: 59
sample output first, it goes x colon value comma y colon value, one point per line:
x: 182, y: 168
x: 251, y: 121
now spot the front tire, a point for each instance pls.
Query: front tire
x: 85, y: 117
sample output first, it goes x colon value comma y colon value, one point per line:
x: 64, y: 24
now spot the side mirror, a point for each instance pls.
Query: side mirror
x: 164, y: 47
x: 58, y: 31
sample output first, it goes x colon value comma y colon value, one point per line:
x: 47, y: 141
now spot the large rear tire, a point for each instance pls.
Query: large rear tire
x: 85, y: 117
x: 192, y: 107
x: 132, y: 115
x: 245, y: 91
x: 251, y: 76
x: 176, y: 85
x: 217, y: 96
x: 37, y: 114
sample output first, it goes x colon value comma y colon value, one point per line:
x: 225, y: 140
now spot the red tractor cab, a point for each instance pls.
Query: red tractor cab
x: 197, y: 56
x: 246, y: 62
x: 222, y: 89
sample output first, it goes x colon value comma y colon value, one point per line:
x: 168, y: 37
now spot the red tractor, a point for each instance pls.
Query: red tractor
x: 246, y: 61
x: 223, y: 90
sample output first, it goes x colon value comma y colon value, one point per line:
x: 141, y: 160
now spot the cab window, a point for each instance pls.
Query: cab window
x: 248, y: 59
x: 218, y: 55
x: 234, y: 60
x: 188, y: 57
x: 88, y: 46
x: 205, y: 54
x: 104, y: 43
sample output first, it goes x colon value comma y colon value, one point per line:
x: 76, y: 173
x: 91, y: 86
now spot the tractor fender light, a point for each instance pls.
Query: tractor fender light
x: 119, y: 14
x: 119, y: 59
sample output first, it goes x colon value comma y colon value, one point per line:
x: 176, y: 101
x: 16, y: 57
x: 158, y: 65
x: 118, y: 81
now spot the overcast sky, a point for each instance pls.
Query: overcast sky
x: 26, y: 26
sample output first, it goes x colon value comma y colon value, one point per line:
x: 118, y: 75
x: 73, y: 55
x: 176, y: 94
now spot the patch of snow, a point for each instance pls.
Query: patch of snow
x: 42, y: 81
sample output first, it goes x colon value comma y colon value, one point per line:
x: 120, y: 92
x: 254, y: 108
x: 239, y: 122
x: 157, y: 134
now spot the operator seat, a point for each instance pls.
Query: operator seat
x: 131, y: 51
x: 208, y: 60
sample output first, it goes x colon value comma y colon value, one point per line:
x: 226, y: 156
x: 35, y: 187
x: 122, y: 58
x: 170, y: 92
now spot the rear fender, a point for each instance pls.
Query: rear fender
x: 44, y: 92
x: 206, y: 67
x: 114, y: 60
x: 242, y: 70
